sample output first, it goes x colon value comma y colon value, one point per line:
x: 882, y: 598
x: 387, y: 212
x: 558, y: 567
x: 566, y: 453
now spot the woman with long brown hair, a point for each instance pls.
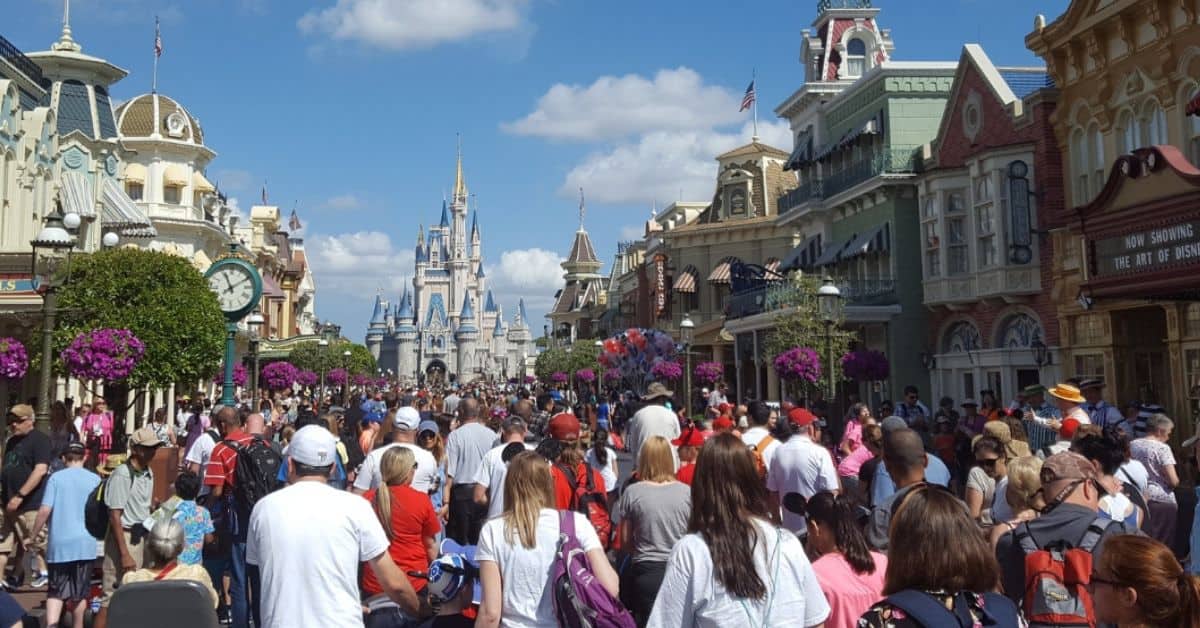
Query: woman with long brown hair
x: 517, y: 549
x: 1137, y: 581
x: 411, y: 526
x: 929, y: 586
x: 735, y: 567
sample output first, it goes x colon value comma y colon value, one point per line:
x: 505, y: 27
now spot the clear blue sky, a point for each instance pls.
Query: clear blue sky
x: 349, y: 109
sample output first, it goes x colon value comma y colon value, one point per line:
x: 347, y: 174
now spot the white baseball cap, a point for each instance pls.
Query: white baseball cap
x: 314, y: 446
x: 407, y: 418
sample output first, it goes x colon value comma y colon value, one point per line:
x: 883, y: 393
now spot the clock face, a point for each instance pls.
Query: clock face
x: 234, y: 287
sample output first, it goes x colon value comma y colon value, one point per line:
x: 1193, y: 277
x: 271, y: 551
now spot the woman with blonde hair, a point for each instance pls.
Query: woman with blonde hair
x: 1021, y: 494
x: 517, y: 549
x: 411, y: 525
x: 654, y: 516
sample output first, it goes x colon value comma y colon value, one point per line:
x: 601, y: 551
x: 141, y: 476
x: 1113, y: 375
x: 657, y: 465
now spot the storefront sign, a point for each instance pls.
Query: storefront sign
x: 1150, y: 249
x: 17, y: 284
x: 660, y: 286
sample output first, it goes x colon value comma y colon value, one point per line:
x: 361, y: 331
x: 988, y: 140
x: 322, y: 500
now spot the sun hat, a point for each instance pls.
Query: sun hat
x: 656, y: 390
x: 145, y: 437
x: 1091, y: 382
x: 1067, y: 392
x: 1033, y: 389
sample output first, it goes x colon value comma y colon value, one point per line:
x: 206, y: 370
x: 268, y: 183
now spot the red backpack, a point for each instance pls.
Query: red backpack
x: 1057, y: 578
x: 589, y: 501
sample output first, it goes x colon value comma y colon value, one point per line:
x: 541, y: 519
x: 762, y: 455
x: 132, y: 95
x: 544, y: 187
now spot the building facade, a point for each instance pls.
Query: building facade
x: 989, y: 194
x: 450, y: 325
x: 1127, y: 74
x: 583, y: 299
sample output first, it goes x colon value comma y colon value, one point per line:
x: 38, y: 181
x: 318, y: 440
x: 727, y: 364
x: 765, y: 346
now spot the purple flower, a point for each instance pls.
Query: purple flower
x: 667, y: 370
x: 280, y: 375
x: 104, y: 354
x: 612, y: 375
x: 337, y: 376
x: 307, y: 378
x: 529, y: 379
x: 865, y: 365
x: 558, y: 377
x: 360, y: 380
x: 709, y: 372
x: 240, y: 375
x: 14, y: 361
x: 586, y: 376
x: 798, y: 364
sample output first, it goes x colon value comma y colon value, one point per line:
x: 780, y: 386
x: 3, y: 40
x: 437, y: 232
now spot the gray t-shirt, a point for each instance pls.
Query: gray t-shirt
x: 465, y: 450
x: 658, y: 514
x: 131, y: 494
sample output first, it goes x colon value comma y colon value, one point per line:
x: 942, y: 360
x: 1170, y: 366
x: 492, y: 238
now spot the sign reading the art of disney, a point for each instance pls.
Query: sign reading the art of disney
x: 1150, y: 249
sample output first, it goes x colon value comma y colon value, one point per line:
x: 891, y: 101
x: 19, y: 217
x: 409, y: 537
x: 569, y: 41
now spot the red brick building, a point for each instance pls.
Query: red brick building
x: 991, y: 192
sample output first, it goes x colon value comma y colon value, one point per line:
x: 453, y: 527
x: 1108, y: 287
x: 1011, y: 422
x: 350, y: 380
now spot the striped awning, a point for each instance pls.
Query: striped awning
x: 872, y: 126
x: 830, y: 255
x: 802, y: 154
x: 135, y: 173
x: 76, y: 194
x: 720, y: 274
x: 175, y: 176
x: 120, y: 213
x: 201, y: 184
x: 686, y: 280
x: 802, y: 256
x: 876, y: 240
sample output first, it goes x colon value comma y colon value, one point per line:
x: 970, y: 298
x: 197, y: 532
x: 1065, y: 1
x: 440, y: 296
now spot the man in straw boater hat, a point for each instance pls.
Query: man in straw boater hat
x: 1101, y: 412
x: 654, y: 419
x: 1069, y: 401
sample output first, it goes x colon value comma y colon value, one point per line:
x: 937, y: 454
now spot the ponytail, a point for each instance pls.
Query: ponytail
x: 840, y: 514
x: 600, y: 446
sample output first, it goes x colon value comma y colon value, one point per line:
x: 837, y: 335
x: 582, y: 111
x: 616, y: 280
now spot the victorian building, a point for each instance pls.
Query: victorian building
x: 1126, y: 259
x: 583, y: 298
x: 289, y: 292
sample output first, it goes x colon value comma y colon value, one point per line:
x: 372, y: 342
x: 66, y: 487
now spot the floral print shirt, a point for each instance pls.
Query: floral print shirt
x: 196, y: 523
x: 884, y: 615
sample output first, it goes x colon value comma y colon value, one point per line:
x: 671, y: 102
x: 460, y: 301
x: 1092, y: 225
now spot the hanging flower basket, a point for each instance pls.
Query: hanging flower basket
x: 14, y: 360
x: 798, y: 364
x: 104, y: 354
x: 280, y: 375
x: 529, y: 379
x: 240, y: 375
x: 360, y: 380
x: 612, y: 376
x: 709, y: 372
x: 337, y: 377
x: 865, y: 365
x: 558, y: 377
x: 667, y: 371
x: 586, y: 376
x: 307, y: 378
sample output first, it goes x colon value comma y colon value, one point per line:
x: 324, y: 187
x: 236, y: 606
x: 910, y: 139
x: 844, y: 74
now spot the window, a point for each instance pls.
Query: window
x: 171, y: 195
x: 929, y: 207
x: 929, y: 229
x: 1131, y: 137
x: 1191, y: 325
x: 135, y: 191
x: 985, y: 221
x: 1191, y: 372
x: 956, y: 234
x: 1089, y: 366
x: 1089, y: 329
x: 1079, y: 157
x: 1154, y: 124
x: 1096, y: 154
x: 856, y: 58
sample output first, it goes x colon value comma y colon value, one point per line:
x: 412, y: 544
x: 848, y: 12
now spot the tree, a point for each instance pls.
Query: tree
x: 310, y: 356
x: 161, y: 298
x: 582, y: 355
x: 801, y: 326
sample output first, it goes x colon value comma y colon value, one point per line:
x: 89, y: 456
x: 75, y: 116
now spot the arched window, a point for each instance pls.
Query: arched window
x: 1082, y: 167
x: 1154, y: 124
x: 961, y: 337
x: 856, y: 57
x: 1131, y: 137
x: 1019, y: 331
x: 1096, y: 156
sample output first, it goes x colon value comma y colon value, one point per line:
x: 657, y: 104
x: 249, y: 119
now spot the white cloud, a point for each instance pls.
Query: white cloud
x: 615, y: 107
x: 343, y: 202
x: 414, y: 24
x: 664, y: 166
x: 632, y: 232
x: 234, y: 180
x: 358, y: 264
x: 526, y: 272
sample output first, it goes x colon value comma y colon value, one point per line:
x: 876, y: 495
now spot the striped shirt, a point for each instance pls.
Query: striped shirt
x: 222, y: 464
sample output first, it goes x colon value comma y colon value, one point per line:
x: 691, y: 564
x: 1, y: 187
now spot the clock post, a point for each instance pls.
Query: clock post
x: 238, y: 287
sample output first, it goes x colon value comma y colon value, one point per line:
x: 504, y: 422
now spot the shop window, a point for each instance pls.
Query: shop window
x: 1191, y: 324
x: 956, y: 234
x: 1089, y: 329
x: 1089, y: 365
x: 135, y: 190
x: 856, y: 58
x: 985, y: 221
x: 171, y: 195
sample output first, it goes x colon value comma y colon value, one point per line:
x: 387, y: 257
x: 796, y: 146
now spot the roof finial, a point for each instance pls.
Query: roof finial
x: 582, y: 208
x: 65, y: 42
x: 460, y: 183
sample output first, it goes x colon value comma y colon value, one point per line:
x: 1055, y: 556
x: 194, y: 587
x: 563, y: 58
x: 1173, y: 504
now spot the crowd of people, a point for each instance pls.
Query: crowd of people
x: 1056, y: 509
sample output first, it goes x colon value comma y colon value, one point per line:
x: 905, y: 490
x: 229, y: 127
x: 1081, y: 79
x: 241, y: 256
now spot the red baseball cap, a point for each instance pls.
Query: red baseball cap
x: 691, y: 437
x: 801, y: 417
x: 722, y: 423
x: 724, y: 407
x: 563, y: 425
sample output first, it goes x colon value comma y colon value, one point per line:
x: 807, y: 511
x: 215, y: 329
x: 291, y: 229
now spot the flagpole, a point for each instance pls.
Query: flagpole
x: 154, y: 80
x: 754, y: 81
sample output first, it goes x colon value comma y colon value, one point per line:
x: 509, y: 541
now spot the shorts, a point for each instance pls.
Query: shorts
x: 113, y: 572
x: 15, y: 529
x: 71, y: 580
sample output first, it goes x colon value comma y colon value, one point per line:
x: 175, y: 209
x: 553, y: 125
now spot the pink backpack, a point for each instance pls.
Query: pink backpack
x: 580, y: 601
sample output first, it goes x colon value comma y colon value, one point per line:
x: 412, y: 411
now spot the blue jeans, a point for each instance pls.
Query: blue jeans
x: 391, y: 618
x: 244, y: 584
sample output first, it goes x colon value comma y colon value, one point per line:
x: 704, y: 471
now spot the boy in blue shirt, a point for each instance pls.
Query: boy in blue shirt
x: 71, y: 551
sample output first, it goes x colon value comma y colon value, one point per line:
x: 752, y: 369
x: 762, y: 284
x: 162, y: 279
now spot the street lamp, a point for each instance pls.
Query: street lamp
x: 51, y: 249
x: 686, y: 326
x: 346, y: 387
x: 829, y: 302
x: 254, y: 321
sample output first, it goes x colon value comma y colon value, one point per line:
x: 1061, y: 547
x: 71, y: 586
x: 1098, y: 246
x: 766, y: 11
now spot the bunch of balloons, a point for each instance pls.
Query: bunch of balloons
x: 634, y: 354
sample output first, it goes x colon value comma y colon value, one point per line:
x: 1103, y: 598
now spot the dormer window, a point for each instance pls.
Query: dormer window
x: 856, y: 58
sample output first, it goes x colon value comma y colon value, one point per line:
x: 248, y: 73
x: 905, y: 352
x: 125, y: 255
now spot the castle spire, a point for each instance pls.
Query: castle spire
x: 65, y: 42
x: 460, y: 182
x: 582, y: 208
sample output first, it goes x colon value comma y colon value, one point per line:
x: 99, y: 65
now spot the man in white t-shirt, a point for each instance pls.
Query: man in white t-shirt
x: 489, y: 479
x: 198, y: 455
x: 308, y: 540
x: 652, y: 420
x: 800, y: 466
x: 404, y: 434
x: 760, y: 416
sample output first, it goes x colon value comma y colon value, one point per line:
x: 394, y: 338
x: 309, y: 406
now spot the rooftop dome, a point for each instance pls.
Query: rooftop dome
x: 145, y: 115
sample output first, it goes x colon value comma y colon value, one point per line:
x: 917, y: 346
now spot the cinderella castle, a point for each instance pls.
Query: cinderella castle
x: 449, y: 325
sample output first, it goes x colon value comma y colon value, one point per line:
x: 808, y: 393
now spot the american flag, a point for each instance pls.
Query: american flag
x: 157, y: 39
x: 748, y: 99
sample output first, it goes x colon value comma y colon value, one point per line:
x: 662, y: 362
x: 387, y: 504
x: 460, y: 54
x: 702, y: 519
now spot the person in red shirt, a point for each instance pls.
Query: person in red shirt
x: 689, y: 444
x: 220, y: 475
x: 411, y: 525
x: 565, y: 428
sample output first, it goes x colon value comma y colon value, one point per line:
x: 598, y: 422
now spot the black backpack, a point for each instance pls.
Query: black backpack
x: 95, y: 510
x: 256, y: 469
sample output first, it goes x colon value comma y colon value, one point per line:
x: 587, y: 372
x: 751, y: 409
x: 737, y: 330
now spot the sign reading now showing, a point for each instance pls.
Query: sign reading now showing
x: 1148, y: 250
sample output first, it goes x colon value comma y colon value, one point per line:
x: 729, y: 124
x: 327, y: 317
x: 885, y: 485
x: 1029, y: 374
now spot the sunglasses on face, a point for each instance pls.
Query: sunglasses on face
x: 1096, y: 579
x: 987, y: 463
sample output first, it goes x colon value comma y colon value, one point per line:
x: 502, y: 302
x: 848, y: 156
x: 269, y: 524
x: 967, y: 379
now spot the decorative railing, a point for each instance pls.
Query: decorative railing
x: 25, y: 65
x: 782, y: 295
x: 889, y: 160
x: 825, y: 5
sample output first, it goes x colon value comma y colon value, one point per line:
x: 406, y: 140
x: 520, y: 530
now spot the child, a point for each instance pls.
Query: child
x: 689, y: 444
x: 196, y: 520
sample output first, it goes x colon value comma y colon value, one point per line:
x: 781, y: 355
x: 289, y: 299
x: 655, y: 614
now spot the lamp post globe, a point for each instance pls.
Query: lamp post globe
x: 110, y: 239
x: 829, y: 302
x: 52, y: 246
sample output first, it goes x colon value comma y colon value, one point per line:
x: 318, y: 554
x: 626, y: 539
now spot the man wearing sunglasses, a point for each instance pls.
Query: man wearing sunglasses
x: 1069, y: 484
x: 27, y: 458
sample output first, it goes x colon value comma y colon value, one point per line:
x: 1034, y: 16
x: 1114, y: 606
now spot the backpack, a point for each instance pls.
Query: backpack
x: 928, y: 611
x: 1130, y: 490
x: 589, y: 501
x: 95, y: 510
x: 256, y: 467
x: 1057, y: 577
x: 757, y: 451
x: 580, y: 601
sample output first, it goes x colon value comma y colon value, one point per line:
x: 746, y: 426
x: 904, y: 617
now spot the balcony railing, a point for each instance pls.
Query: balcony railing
x: 782, y: 295
x: 890, y: 160
x: 23, y: 64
